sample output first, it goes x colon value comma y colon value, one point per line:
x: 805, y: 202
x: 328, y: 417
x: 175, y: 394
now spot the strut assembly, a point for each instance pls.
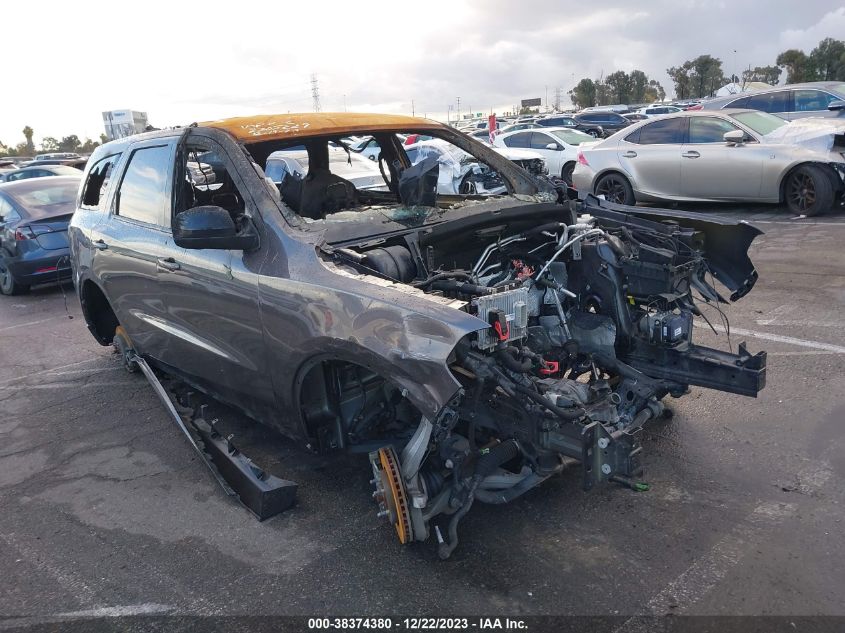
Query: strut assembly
x: 261, y: 493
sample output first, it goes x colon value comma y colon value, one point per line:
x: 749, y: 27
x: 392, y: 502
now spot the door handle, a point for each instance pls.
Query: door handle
x: 629, y: 154
x: 169, y: 264
x: 691, y: 154
x: 100, y: 245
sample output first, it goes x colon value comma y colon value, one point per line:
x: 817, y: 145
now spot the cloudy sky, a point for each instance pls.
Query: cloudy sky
x: 66, y: 62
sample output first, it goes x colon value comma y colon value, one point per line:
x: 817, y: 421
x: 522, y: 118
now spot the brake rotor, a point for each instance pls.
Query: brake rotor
x: 390, y: 492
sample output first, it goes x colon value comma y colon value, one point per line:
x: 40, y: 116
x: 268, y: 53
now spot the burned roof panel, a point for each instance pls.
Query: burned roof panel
x: 284, y: 126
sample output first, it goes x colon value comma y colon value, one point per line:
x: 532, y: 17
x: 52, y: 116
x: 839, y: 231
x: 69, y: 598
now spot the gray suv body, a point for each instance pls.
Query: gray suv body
x: 793, y: 101
x: 443, y: 335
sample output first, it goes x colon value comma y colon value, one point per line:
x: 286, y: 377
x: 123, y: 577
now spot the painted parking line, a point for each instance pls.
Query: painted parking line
x: 778, y: 338
x: 706, y: 572
x: 49, y: 370
x: 30, y: 323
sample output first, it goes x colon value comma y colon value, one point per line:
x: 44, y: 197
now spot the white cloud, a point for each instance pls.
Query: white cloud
x: 184, y: 62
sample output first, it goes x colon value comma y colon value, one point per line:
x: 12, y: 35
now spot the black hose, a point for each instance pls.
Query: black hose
x: 439, y: 276
x: 495, y: 457
x: 486, y: 465
x: 564, y: 414
x: 507, y: 356
x: 453, y: 285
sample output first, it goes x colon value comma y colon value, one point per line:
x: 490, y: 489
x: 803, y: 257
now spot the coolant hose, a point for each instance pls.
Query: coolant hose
x: 453, y: 285
x: 487, y: 465
x: 507, y: 356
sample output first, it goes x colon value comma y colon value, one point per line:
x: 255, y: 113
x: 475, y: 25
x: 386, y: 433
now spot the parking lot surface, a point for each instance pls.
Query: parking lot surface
x: 106, y: 509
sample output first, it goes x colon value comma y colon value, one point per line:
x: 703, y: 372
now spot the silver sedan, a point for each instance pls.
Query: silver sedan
x: 726, y: 155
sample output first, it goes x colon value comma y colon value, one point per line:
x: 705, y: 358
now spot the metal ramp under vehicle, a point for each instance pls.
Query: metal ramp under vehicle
x: 261, y: 493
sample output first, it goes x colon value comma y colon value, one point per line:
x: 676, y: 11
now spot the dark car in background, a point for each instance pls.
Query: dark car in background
x: 41, y: 171
x: 608, y: 121
x: 570, y: 122
x: 34, y: 216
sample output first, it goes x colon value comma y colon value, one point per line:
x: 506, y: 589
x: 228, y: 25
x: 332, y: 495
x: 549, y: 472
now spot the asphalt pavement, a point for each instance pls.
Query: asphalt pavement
x: 105, y: 510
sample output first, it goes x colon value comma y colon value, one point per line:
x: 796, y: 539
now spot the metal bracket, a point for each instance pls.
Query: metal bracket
x: 261, y: 493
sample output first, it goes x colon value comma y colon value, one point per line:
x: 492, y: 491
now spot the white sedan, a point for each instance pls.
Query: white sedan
x: 557, y: 146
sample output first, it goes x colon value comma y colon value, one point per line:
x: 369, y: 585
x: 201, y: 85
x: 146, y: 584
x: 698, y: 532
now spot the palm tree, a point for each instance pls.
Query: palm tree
x: 30, y: 146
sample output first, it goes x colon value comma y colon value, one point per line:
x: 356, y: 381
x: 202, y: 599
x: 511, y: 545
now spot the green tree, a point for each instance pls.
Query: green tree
x: 583, y: 95
x: 603, y: 95
x: 30, y: 146
x: 49, y: 144
x: 798, y: 66
x: 680, y: 76
x: 654, y: 92
x: 619, y: 86
x: 828, y: 60
x: 69, y: 143
x: 766, y: 74
x: 88, y: 146
x: 105, y: 139
x: 706, y: 76
x: 639, y: 86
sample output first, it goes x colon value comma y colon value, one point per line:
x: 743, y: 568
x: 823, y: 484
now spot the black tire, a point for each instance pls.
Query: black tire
x: 8, y: 285
x: 593, y: 133
x: 808, y: 191
x: 615, y: 188
x: 566, y: 173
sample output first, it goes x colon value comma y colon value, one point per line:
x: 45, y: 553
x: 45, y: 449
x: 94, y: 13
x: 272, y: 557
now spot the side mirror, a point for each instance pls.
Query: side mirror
x: 734, y: 137
x: 212, y: 227
x: 839, y: 104
x: 553, y: 146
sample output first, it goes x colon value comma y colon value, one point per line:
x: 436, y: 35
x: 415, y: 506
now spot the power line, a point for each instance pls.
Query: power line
x: 315, y: 93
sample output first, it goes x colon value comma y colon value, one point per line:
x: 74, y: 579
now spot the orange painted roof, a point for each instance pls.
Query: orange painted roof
x: 271, y: 127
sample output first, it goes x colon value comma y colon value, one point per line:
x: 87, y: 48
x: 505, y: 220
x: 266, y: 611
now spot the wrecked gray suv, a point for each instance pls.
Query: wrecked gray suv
x: 472, y: 345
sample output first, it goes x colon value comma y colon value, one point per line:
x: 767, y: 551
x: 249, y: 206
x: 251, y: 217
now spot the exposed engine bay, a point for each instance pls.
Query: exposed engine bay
x: 586, y: 325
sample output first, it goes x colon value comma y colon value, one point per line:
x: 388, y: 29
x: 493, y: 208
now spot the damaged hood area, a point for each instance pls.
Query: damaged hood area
x: 725, y: 241
x: 818, y: 135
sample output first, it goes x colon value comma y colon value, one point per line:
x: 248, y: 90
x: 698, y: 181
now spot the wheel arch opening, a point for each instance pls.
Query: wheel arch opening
x: 98, y: 313
x: 343, y: 405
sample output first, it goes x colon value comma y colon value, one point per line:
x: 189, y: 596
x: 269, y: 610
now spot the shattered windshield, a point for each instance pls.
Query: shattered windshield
x: 761, y: 122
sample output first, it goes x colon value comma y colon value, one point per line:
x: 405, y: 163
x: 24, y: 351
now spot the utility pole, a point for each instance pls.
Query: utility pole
x: 557, y: 98
x: 458, y: 108
x: 315, y: 93
x: 413, y: 112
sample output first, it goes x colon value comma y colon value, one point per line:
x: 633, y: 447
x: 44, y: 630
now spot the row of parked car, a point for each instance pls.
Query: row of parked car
x: 49, y: 164
x: 783, y: 145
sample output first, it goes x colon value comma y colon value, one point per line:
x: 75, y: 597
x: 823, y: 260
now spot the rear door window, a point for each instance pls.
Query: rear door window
x: 770, y: 102
x: 662, y: 132
x: 144, y: 193
x: 97, y: 183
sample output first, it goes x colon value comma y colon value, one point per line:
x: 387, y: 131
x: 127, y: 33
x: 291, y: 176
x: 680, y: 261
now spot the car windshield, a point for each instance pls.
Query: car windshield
x: 572, y: 137
x: 761, y: 122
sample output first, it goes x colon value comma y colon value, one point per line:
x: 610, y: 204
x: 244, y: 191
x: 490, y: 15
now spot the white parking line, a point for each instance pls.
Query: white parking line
x: 49, y: 370
x: 779, y: 338
x: 12, y: 327
x: 113, y: 612
x: 706, y: 572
